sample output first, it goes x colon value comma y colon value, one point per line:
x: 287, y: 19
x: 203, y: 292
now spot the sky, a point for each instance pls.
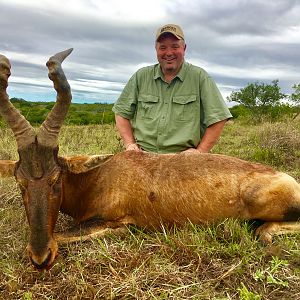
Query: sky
x: 236, y: 41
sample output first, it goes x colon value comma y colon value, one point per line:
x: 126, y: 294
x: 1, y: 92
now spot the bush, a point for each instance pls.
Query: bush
x: 277, y: 144
x: 239, y: 111
x: 264, y: 114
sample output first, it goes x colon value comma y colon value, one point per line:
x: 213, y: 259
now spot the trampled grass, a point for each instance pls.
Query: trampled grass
x: 222, y: 261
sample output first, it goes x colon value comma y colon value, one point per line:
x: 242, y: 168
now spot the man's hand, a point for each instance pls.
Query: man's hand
x: 132, y: 147
x: 124, y: 127
x: 192, y: 151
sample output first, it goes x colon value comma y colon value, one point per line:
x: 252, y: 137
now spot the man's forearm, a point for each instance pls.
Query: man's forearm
x: 211, y: 136
x: 125, y: 130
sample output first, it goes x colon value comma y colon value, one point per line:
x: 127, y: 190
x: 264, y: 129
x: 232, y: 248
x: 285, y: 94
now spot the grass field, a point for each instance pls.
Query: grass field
x: 223, y: 261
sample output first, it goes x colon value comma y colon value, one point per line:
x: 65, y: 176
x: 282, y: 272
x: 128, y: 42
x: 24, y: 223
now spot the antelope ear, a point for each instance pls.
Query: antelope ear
x: 7, y: 168
x: 81, y: 164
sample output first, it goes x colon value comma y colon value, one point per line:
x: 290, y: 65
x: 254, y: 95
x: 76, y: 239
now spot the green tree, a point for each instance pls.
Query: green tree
x: 295, y: 96
x: 259, y: 98
x: 246, y: 96
x: 295, y: 99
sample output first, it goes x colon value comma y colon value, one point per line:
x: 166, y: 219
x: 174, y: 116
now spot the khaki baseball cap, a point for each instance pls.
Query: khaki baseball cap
x: 170, y: 28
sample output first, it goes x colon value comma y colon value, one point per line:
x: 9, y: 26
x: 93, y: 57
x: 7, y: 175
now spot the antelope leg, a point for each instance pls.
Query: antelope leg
x: 266, y: 231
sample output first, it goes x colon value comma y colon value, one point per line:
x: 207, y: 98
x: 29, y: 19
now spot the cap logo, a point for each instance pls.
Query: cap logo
x: 168, y: 28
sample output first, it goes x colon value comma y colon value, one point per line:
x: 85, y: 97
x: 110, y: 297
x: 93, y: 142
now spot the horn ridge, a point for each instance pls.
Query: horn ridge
x: 49, y: 130
x: 23, y: 131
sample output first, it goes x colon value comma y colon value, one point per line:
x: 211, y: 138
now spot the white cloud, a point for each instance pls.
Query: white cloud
x: 135, y: 11
x: 235, y: 41
x: 256, y: 72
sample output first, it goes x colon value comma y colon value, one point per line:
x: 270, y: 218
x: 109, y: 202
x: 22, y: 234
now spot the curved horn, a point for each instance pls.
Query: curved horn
x: 49, y: 130
x: 23, y: 131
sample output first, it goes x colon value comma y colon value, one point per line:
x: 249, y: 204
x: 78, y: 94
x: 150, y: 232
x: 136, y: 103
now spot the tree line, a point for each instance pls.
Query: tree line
x: 261, y: 101
x: 78, y: 114
x: 257, y: 101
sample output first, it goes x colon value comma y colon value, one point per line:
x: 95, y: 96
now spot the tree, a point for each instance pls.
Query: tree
x: 295, y: 96
x: 259, y: 98
x: 258, y: 94
x: 295, y: 99
x: 246, y: 96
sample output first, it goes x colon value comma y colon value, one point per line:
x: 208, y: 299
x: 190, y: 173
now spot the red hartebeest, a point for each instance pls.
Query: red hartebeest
x: 139, y: 188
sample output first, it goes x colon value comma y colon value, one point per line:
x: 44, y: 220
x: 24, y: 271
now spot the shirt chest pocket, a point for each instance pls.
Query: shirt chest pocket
x: 185, y: 107
x: 147, y: 106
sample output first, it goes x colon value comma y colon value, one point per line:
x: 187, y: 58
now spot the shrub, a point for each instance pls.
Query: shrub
x: 277, y: 144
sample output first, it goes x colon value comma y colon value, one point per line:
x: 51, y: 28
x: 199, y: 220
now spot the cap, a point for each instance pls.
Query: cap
x: 170, y: 28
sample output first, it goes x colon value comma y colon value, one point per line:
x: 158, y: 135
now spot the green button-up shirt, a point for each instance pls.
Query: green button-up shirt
x: 171, y: 117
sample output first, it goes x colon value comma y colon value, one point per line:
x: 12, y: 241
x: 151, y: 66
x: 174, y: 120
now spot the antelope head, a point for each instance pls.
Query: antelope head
x: 38, y: 172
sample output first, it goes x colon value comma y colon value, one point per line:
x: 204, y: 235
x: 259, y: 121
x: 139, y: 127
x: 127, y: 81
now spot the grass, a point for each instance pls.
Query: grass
x: 222, y: 261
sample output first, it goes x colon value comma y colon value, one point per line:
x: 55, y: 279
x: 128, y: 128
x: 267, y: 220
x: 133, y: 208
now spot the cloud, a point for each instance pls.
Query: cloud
x: 235, y: 41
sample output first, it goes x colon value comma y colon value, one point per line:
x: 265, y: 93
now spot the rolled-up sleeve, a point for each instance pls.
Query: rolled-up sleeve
x: 126, y: 104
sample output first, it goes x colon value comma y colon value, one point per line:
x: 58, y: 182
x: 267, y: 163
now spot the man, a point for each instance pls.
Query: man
x: 172, y: 106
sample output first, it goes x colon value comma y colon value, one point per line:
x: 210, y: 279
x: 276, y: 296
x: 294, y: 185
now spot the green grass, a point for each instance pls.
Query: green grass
x: 222, y: 261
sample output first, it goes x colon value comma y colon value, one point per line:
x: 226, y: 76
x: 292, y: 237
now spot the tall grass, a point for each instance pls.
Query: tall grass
x: 222, y: 261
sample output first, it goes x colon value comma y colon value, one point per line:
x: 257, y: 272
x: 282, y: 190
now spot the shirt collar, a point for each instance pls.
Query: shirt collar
x: 181, y: 74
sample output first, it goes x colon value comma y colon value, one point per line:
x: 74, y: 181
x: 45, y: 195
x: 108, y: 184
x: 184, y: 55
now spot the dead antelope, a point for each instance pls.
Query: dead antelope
x: 143, y: 189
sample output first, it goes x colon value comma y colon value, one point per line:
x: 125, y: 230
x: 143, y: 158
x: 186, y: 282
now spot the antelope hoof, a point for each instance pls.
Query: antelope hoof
x: 264, y: 234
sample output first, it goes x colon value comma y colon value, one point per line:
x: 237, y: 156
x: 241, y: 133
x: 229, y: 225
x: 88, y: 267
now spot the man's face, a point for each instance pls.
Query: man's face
x: 170, y: 53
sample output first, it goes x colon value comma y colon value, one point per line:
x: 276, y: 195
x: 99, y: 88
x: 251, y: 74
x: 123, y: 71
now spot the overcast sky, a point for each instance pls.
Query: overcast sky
x: 235, y: 41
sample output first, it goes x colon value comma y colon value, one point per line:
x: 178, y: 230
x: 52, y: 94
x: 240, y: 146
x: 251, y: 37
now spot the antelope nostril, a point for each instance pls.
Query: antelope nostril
x: 44, y: 264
